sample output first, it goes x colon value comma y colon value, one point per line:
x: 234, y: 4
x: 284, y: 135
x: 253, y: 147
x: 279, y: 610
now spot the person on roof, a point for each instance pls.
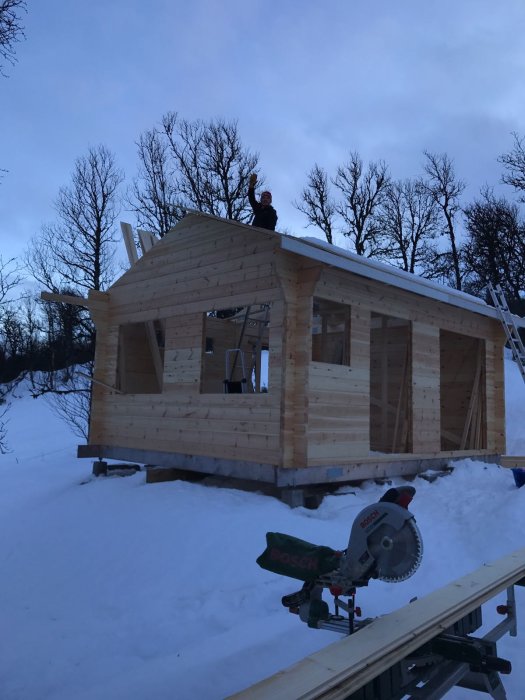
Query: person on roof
x: 264, y: 215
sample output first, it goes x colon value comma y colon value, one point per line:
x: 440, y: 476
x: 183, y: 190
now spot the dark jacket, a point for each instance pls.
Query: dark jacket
x: 264, y: 217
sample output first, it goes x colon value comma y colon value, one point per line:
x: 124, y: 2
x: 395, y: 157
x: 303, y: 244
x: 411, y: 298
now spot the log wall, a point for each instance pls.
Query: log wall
x: 428, y: 319
x: 388, y: 399
x: 179, y: 280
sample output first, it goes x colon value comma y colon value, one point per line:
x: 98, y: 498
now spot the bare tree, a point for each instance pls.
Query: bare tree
x: 409, y: 220
x: 153, y: 195
x: 514, y: 164
x: 191, y: 165
x: 212, y: 166
x: 77, y: 251
x: 73, y: 255
x: 70, y: 399
x: 495, y: 247
x: 362, y: 193
x: 316, y: 202
x: 9, y: 279
x: 353, y: 211
x: 11, y: 30
x: 446, y: 189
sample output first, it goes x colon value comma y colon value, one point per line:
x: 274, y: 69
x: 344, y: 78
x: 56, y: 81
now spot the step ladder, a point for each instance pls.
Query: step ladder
x: 507, y: 320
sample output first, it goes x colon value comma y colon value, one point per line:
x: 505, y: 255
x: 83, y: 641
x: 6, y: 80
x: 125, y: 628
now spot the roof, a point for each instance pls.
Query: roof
x: 337, y: 257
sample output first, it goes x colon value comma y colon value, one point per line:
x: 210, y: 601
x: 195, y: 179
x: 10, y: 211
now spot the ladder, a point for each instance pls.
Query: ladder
x: 231, y: 387
x: 507, y: 320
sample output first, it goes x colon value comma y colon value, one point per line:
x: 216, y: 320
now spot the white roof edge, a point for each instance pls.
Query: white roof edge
x: 381, y: 272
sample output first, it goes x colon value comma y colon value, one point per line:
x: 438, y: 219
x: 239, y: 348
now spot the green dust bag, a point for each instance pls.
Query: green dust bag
x: 290, y: 556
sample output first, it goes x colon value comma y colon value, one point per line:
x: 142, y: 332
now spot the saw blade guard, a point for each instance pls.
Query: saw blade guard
x: 385, y: 543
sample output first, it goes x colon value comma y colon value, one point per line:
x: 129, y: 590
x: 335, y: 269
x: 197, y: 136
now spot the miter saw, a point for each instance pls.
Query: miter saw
x: 385, y: 544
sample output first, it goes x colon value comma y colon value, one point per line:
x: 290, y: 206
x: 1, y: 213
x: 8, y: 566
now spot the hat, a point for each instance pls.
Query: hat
x: 267, y: 193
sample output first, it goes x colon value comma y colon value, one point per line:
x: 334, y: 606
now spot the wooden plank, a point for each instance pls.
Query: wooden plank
x: 512, y: 461
x: 131, y: 248
x: 474, y: 407
x: 338, y: 453
x: 204, y: 415
x: 65, y: 299
x: 230, y: 430
x: 158, y: 362
x: 345, y: 666
x: 97, y: 381
x: 147, y: 240
x: 222, y: 402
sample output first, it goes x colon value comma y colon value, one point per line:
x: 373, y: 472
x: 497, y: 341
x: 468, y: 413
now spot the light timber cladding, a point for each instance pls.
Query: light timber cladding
x: 226, y: 343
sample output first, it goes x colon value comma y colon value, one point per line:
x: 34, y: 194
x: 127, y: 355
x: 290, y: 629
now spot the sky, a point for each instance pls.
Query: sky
x: 308, y: 83
x: 112, y: 588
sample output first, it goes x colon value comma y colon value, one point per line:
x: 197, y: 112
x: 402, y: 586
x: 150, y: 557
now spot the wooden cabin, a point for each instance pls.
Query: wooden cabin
x: 232, y: 350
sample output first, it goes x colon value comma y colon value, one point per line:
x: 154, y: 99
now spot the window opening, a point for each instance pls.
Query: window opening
x: 140, y: 359
x: 331, y: 332
x: 236, y: 345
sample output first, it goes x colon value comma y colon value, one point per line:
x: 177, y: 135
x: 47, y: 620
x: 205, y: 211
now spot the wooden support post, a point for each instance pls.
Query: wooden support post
x: 384, y: 381
x: 298, y: 285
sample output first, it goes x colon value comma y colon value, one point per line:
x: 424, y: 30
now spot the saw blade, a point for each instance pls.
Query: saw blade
x: 397, y: 552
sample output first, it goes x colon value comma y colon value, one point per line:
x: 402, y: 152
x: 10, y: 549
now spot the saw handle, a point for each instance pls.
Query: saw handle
x: 400, y: 495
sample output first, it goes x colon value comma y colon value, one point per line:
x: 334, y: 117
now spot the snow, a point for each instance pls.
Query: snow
x: 115, y: 589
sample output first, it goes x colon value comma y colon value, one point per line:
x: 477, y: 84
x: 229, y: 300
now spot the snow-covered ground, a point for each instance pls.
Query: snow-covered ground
x: 114, y: 589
